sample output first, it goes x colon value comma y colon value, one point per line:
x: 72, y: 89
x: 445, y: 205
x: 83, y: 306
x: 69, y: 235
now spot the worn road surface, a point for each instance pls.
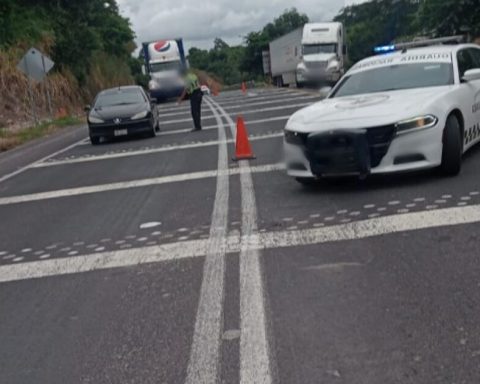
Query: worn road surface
x: 163, y: 261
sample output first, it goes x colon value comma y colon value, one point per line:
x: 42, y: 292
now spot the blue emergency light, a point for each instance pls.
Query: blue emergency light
x: 385, y: 49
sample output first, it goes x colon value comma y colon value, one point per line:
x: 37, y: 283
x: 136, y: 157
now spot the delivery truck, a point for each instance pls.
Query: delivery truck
x: 164, y: 62
x: 312, y: 55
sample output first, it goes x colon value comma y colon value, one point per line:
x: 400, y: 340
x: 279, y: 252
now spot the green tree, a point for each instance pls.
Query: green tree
x: 256, y: 42
x: 449, y: 17
x: 377, y: 22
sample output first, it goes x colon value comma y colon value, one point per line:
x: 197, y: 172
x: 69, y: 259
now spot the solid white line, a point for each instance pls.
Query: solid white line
x: 387, y: 225
x: 254, y: 349
x: 23, y: 169
x: 141, y: 152
x: 270, y: 109
x: 203, y: 363
x: 132, y: 184
x: 210, y: 127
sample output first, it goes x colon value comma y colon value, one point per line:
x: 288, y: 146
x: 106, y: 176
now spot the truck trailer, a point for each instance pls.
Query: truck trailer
x: 312, y: 55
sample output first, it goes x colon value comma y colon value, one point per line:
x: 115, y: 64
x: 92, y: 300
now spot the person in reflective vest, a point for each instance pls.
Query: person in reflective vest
x: 193, y: 90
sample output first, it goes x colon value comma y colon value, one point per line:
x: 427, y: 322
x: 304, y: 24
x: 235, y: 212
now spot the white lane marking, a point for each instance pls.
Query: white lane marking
x: 254, y: 349
x: 151, y: 224
x: 205, y: 350
x: 134, y: 184
x: 23, y: 169
x: 142, y: 152
x: 254, y: 104
x: 261, y: 110
x: 269, y: 101
x: 446, y: 217
x: 385, y: 225
x: 104, y: 260
x: 211, y: 127
x: 236, y: 100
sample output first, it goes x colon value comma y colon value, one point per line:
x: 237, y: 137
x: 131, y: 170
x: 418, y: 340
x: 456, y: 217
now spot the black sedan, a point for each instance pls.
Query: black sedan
x: 121, y: 111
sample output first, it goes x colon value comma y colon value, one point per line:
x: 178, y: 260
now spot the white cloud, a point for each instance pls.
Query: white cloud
x: 200, y: 21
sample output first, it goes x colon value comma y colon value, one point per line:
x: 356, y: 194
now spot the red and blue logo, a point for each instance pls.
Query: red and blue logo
x: 162, y: 46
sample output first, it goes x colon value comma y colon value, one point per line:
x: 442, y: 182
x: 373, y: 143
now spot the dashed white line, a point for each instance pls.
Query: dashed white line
x: 445, y: 217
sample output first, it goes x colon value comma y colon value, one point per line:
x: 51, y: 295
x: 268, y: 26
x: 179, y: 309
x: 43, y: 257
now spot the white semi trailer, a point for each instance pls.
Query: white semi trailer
x: 312, y: 55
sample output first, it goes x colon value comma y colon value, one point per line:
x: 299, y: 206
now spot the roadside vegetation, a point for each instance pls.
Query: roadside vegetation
x: 11, y: 138
x: 91, y: 45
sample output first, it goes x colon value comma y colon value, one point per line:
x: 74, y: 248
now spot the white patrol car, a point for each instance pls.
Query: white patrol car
x: 407, y: 110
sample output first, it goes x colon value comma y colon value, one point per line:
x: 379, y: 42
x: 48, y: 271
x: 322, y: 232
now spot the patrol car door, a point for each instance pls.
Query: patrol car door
x: 469, y: 58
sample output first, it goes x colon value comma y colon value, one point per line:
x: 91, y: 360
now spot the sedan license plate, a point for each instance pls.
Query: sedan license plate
x: 120, y: 132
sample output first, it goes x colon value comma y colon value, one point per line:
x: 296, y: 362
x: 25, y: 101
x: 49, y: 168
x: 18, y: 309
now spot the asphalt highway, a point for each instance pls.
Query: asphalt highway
x: 161, y: 260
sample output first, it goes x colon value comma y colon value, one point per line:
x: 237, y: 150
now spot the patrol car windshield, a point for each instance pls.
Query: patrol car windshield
x: 123, y: 97
x: 319, y: 48
x: 168, y: 66
x: 396, y: 77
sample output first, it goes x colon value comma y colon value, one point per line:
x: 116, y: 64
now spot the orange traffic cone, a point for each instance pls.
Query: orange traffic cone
x: 244, y: 87
x: 243, y: 151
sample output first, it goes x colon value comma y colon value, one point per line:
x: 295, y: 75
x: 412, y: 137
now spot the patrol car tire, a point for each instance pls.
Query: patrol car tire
x: 452, y: 148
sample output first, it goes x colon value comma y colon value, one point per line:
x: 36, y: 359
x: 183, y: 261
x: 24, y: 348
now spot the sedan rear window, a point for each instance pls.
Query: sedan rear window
x: 396, y: 77
x: 120, y: 97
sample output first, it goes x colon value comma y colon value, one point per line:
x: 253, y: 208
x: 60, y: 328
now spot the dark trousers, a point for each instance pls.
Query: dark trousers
x: 196, y: 106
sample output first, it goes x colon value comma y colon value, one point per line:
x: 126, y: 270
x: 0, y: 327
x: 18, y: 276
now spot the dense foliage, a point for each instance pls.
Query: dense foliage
x: 234, y: 64
x: 79, y: 34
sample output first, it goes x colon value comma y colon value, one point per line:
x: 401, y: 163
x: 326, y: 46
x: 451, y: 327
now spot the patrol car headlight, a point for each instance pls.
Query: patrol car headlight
x: 140, y: 115
x: 293, y: 138
x: 421, y: 122
x: 95, y: 120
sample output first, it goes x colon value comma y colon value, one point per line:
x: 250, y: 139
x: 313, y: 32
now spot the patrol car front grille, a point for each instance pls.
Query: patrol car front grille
x: 340, y: 151
x: 379, y: 140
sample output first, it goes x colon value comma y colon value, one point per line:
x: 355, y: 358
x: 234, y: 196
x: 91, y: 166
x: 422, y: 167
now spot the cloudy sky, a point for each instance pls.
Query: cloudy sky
x: 200, y: 21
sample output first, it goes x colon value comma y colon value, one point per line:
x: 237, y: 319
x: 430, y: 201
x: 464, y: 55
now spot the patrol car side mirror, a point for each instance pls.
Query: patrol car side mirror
x: 87, y: 108
x: 471, y: 75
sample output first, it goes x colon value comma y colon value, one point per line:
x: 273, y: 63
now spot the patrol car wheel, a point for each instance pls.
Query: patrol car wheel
x: 452, y: 147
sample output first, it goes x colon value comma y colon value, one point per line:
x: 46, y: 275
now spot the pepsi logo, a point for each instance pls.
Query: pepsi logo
x: 162, y: 46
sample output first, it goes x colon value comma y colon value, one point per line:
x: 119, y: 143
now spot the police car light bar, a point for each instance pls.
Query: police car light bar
x: 420, y: 43
x: 385, y: 49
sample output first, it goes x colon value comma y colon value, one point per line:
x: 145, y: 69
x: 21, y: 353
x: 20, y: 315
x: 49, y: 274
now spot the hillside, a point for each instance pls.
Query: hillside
x: 89, y: 41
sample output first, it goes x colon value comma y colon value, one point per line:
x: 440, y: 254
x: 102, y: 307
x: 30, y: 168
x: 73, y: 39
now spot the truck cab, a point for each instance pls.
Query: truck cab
x: 323, y: 54
x: 164, y: 61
